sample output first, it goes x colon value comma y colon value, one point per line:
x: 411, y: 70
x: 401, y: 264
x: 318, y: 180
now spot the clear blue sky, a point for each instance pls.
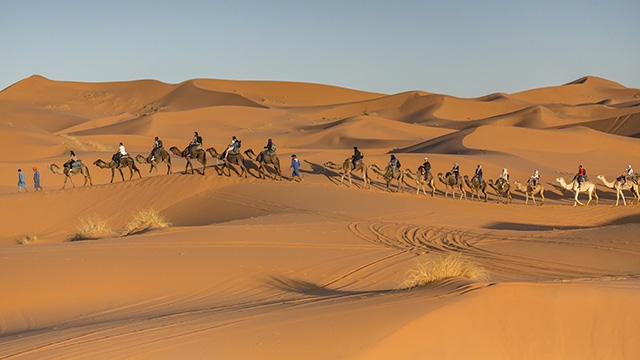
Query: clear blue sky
x: 461, y: 48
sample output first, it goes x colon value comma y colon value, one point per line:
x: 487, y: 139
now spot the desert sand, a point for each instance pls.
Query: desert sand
x: 264, y: 269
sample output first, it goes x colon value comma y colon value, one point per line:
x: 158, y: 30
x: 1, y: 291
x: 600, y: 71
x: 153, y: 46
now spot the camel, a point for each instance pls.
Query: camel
x: 125, y: 161
x: 346, y: 167
x: 191, y: 152
x: 476, y: 187
x: 161, y: 156
x: 530, y: 190
x: 389, y: 176
x: 586, y: 186
x: 618, y: 186
x: 449, y: 180
x: 421, y: 181
x: 68, y: 174
x: 501, y: 187
x: 263, y: 159
x: 230, y: 159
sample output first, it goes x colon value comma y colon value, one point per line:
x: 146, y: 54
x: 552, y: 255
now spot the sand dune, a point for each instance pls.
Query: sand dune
x: 253, y: 268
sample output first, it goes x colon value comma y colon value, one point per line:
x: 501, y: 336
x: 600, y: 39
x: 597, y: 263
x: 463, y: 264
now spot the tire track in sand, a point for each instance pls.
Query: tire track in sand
x: 437, y: 239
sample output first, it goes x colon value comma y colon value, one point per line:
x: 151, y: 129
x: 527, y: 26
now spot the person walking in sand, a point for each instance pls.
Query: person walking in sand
x: 295, y: 165
x: 36, y: 179
x: 22, y: 183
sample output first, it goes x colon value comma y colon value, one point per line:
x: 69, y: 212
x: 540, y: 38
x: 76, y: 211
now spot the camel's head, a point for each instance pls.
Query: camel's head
x: 600, y: 177
x: 327, y: 164
x: 97, y: 162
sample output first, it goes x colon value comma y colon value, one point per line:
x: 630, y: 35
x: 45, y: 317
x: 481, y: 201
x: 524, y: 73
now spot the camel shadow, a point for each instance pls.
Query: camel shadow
x: 319, y: 169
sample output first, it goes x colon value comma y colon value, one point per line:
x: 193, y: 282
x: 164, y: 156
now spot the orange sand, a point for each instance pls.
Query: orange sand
x: 268, y: 269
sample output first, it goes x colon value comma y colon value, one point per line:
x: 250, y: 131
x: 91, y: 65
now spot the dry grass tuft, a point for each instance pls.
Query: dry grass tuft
x: 92, y: 228
x: 72, y: 141
x: 143, y: 220
x: 441, y: 266
x: 99, y: 146
x: 27, y: 239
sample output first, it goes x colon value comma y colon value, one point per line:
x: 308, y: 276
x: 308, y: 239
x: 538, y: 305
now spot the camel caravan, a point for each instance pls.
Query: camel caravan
x: 268, y: 165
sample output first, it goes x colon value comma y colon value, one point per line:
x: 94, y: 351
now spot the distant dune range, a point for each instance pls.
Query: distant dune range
x: 253, y: 268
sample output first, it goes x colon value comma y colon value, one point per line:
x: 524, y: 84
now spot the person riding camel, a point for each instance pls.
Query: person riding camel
x: 157, y: 145
x: 534, y: 180
x: 478, y: 174
x: 118, y: 156
x: 270, y: 147
x: 456, y: 171
x: 581, y: 176
x: 504, y: 176
x: 425, y: 168
x: 394, y: 165
x: 356, y: 157
x: 233, y: 148
x: 72, y: 159
x: 628, y: 172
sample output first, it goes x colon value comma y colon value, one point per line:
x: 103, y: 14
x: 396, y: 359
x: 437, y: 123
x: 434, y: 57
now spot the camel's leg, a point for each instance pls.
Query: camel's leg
x: 578, y: 201
x: 150, y: 170
x: 122, y: 174
x: 342, y: 178
x: 130, y: 173
x: 276, y: 166
x: 65, y: 182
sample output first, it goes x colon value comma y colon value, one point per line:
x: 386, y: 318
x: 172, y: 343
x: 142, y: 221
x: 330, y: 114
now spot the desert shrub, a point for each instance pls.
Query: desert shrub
x: 437, y: 267
x: 91, y: 228
x: 72, y: 141
x: 143, y: 220
x: 27, y: 239
x: 99, y: 146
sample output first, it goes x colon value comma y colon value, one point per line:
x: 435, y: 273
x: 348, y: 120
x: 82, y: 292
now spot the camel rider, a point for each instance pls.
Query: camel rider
x: 628, y: 172
x: 270, y: 148
x: 156, y: 146
x: 117, y: 156
x: 394, y: 165
x: 357, y: 156
x: 72, y: 159
x: 425, y: 168
x: 233, y: 148
x: 478, y: 174
x: 581, y: 175
x: 534, y: 179
x: 456, y: 171
x: 504, y: 176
